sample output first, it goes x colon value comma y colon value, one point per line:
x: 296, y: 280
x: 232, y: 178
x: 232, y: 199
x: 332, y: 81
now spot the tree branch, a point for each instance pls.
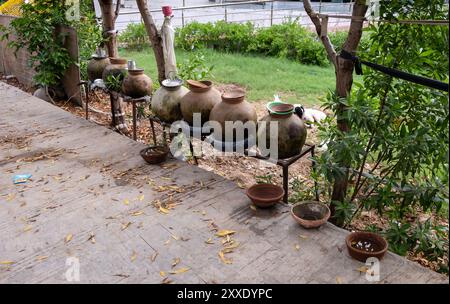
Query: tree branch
x: 331, y: 52
x: 116, y: 13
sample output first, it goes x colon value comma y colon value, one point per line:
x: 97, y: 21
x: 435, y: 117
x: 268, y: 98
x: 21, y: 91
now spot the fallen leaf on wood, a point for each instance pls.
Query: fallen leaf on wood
x: 303, y: 236
x: 10, y: 197
x: 297, y: 247
x: 162, y: 273
x: 233, y: 245
x: 27, y: 228
x: 209, y: 241
x: 181, y: 270
x: 126, y: 202
x: 253, y: 207
x: 222, y: 233
x: 6, y: 262
x: 167, y: 242
x: 339, y: 280
x: 174, y: 237
x: 223, y: 258
x: 141, y: 197
x: 68, y: 238
x: 125, y: 226
x: 175, y: 262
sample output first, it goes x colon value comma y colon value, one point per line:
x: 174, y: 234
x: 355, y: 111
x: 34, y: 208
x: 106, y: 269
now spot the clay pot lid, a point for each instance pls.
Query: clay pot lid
x: 280, y: 108
x: 265, y: 195
x: 172, y: 83
x: 117, y: 60
x: 196, y: 85
x: 233, y: 96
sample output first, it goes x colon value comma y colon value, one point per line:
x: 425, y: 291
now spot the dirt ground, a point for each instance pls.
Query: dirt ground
x: 245, y: 171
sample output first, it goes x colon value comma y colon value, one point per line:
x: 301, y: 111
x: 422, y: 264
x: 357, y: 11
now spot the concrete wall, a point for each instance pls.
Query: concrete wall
x: 11, y: 64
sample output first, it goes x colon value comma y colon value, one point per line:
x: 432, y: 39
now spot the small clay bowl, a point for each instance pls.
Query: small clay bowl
x: 233, y: 96
x: 310, y: 214
x: 265, y: 195
x: 155, y: 154
x: 281, y: 108
x: 357, y: 242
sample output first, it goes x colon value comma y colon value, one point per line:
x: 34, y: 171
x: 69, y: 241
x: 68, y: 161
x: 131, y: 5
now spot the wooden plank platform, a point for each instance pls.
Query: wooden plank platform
x: 88, y: 180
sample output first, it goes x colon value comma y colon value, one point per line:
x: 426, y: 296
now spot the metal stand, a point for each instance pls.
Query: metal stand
x: 134, y: 101
x: 285, y: 163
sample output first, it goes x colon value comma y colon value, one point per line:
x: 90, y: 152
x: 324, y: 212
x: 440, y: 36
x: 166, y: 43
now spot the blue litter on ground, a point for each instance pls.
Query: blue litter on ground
x: 21, y: 178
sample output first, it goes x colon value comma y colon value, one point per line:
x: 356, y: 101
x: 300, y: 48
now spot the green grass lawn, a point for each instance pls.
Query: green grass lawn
x: 261, y: 76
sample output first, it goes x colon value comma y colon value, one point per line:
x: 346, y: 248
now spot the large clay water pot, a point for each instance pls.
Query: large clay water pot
x: 96, y: 66
x: 291, y: 130
x: 116, y: 67
x: 201, y: 98
x: 233, y: 108
x: 136, y: 84
x: 166, y: 100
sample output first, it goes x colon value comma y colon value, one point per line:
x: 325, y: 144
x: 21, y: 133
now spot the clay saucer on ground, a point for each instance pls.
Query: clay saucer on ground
x: 265, y: 195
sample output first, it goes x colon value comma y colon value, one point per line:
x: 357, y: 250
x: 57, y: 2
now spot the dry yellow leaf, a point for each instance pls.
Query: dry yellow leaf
x: 162, y: 273
x: 153, y: 257
x: 126, y: 202
x: 167, y: 242
x: 174, y: 237
x: 141, y: 197
x: 125, y: 226
x: 6, y: 262
x: 133, y: 256
x: 339, y: 280
x: 41, y: 258
x: 297, y: 247
x: 222, y: 233
x: 303, y: 236
x: 10, y: 197
x: 137, y: 213
x: 203, y: 212
x: 163, y: 210
x: 209, y: 241
x: 175, y: 262
x: 27, y: 228
x: 363, y: 269
x: 233, y: 245
x: 223, y: 258
x: 166, y: 281
x: 181, y: 270
x: 68, y: 238
x: 253, y: 207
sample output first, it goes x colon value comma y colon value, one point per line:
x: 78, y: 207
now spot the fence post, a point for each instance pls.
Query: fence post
x: 182, y: 13
x: 226, y: 15
x: 271, y: 13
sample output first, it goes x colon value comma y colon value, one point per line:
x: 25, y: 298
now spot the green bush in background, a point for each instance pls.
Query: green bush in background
x: 288, y: 40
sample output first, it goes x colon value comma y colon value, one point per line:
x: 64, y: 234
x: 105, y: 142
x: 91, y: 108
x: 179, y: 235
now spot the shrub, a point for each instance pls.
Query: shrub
x: 134, y: 37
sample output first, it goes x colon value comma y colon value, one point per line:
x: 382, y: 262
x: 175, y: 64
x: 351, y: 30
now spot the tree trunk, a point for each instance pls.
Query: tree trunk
x: 109, y: 16
x: 344, y: 79
x: 154, y: 36
x: 108, y: 21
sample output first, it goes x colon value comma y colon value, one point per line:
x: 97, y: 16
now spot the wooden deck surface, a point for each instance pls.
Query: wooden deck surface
x: 92, y: 197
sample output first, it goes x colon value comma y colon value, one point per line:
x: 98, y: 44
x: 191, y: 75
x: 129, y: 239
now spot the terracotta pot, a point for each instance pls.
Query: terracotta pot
x: 310, y: 214
x: 364, y: 245
x: 201, y: 98
x: 291, y: 132
x: 233, y: 108
x: 166, y: 100
x: 155, y: 154
x: 96, y: 66
x: 265, y: 195
x: 136, y: 84
x: 116, y: 67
